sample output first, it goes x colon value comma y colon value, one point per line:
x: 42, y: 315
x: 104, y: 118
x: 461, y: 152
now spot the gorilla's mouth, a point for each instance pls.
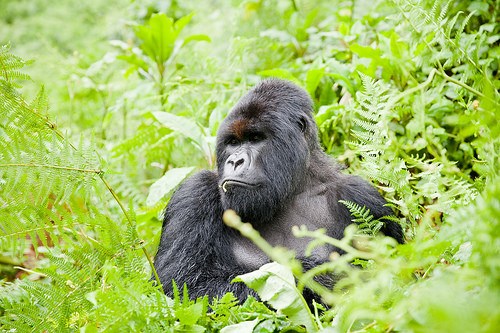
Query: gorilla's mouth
x: 235, y: 182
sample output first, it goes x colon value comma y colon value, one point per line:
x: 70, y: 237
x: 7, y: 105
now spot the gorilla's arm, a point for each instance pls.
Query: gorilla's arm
x: 195, y: 244
x: 357, y: 190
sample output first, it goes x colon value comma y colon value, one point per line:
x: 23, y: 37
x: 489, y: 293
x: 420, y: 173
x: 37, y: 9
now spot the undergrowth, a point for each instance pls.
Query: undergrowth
x: 406, y: 94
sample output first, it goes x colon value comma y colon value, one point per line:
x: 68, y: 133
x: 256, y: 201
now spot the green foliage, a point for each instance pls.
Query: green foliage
x: 159, y: 44
x: 275, y: 285
x: 406, y: 95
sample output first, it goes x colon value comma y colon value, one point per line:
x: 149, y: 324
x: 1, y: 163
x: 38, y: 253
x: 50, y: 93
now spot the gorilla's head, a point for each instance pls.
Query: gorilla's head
x: 263, y: 149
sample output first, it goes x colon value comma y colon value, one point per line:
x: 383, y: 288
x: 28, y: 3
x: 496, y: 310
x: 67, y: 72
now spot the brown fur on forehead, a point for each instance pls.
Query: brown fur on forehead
x: 239, y: 127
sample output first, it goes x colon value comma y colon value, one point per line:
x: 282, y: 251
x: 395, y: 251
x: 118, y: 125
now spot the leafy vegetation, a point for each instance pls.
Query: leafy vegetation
x: 406, y: 94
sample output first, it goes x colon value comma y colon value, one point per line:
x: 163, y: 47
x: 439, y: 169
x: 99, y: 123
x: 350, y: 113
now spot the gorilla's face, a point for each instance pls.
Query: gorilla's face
x: 262, y: 154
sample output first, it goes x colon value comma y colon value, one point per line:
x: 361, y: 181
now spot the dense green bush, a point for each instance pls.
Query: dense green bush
x: 406, y: 94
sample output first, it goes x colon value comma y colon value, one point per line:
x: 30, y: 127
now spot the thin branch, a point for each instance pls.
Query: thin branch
x: 49, y: 166
x: 463, y: 85
x: 429, y: 80
x: 131, y: 223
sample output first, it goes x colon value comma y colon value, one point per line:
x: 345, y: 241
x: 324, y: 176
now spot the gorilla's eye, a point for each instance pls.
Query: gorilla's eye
x: 232, y: 141
x: 256, y: 137
x: 302, y: 124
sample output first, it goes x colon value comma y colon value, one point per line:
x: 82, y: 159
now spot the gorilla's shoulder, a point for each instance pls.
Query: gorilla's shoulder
x: 200, y: 191
x: 201, y: 186
x: 201, y: 180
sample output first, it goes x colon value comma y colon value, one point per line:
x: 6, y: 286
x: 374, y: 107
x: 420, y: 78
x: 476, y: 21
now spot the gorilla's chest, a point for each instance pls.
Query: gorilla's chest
x: 309, y: 209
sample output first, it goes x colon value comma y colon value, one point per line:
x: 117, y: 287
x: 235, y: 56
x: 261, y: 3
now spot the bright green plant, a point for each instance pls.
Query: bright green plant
x: 159, y: 44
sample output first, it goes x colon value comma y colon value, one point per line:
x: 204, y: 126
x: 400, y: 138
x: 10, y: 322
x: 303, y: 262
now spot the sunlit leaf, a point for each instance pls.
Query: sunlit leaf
x: 243, y: 327
x: 275, y: 285
x: 163, y: 186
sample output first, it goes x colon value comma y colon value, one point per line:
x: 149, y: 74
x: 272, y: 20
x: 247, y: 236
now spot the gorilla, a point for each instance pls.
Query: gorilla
x: 272, y: 171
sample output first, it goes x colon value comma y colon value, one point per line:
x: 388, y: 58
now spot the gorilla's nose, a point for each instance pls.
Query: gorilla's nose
x: 236, y: 163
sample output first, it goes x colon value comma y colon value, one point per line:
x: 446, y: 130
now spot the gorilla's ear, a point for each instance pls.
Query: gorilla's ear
x: 303, y: 124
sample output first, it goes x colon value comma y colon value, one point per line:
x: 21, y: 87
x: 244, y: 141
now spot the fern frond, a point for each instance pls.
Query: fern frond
x: 9, y: 65
x: 443, y: 12
x: 360, y: 213
x: 443, y: 44
x: 371, y: 114
x: 33, y: 156
x: 363, y: 218
x: 40, y: 103
x: 39, y: 169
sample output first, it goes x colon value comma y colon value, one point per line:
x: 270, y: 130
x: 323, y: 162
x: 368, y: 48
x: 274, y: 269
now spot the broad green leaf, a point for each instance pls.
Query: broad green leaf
x: 243, y: 327
x: 182, y: 22
x: 275, y: 285
x: 158, y: 37
x: 183, y: 125
x: 134, y: 60
x: 344, y: 81
x: 197, y: 38
x: 365, y: 51
x: 189, y: 315
x: 187, y: 127
x: 313, y: 79
x: 189, y: 329
x: 167, y: 183
x: 163, y: 36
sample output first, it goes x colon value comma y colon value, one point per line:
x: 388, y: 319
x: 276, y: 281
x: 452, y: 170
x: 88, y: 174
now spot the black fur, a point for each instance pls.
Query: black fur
x: 273, y: 173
